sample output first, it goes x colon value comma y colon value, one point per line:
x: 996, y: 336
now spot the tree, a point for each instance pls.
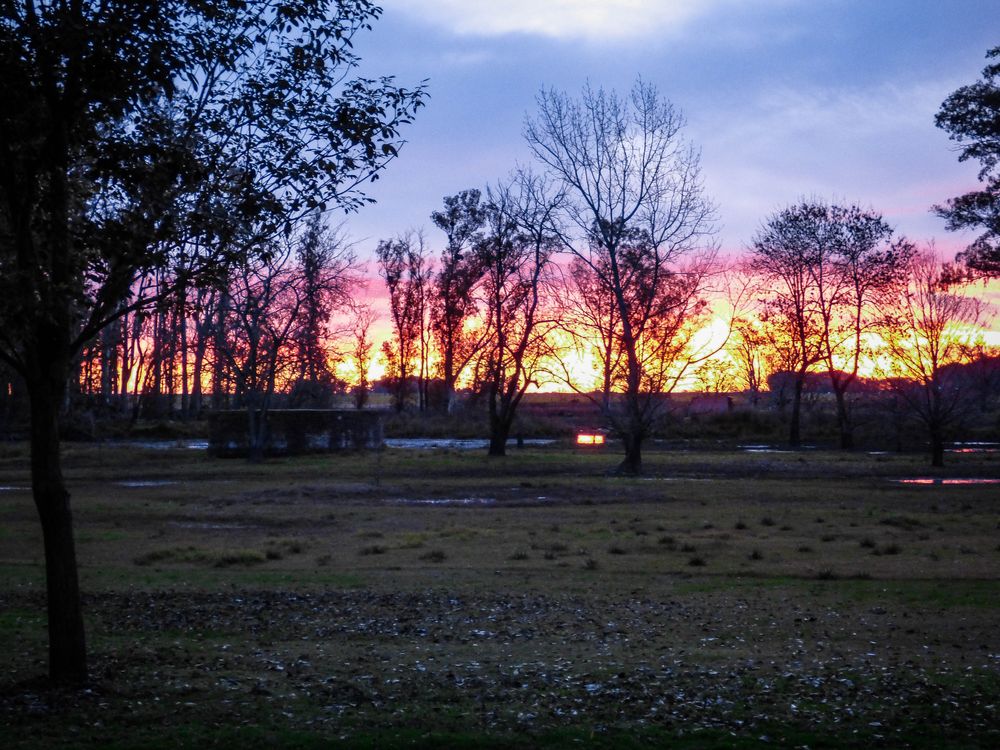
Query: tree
x: 589, y: 316
x: 971, y: 117
x: 328, y: 272
x: 266, y: 316
x: 747, y: 349
x: 404, y: 268
x: 783, y: 254
x: 936, y: 328
x: 514, y: 254
x: 826, y: 274
x: 134, y: 130
x: 863, y: 274
x: 360, y: 353
x: 453, y: 304
x: 634, y: 210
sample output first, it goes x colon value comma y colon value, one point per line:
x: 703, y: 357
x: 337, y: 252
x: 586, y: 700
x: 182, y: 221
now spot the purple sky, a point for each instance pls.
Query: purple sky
x: 786, y: 98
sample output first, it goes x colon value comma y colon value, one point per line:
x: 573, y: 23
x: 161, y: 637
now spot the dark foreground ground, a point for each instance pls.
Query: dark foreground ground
x: 443, y: 599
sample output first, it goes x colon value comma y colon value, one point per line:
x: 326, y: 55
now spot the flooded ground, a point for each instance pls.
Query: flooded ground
x: 457, y: 443
x: 445, y: 501
x: 402, y: 443
x: 137, y: 483
x: 939, y: 481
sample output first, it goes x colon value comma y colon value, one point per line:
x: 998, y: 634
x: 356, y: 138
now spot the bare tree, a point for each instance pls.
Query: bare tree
x: 588, y: 315
x: 514, y: 254
x: 267, y: 304
x: 867, y: 273
x: 747, y: 349
x: 360, y: 353
x: 936, y: 327
x: 784, y: 253
x: 634, y: 209
x: 453, y: 304
x: 328, y: 271
x: 406, y: 272
x: 827, y: 274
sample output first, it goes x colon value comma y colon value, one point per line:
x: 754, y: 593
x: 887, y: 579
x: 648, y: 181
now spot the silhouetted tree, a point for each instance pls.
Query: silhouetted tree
x: 132, y: 129
x: 266, y: 313
x: 936, y: 326
x: 971, y: 117
x: 784, y: 254
x: 858, y: 280
x: 827, y: 274
x: 589, y: 317
x: 360, y: 353
x: 518, y: 241
x: 635, y: 203
x: 453, y: 304
x: 328, y: 274
x: 747, y: 348
x: 404, y: 268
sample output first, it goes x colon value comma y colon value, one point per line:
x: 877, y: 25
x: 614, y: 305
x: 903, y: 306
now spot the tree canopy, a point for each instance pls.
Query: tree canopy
x: 971, y: 117
x: 137, y: 135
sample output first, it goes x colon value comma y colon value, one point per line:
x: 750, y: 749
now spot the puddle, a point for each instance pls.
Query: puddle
x: 209, y: 526
x: 12, y: 488
x: 774, y: 449
x: 674, y: 479
x: 938, y: 481
x: 322, y: 441
x: 974, y: 447
x: 453, y: 501
x: 455, y: 443
x: 131, y: 483
x: 161, y: 445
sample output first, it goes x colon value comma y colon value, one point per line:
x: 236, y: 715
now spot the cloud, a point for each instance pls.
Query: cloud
x: 876, y: 146
x: 594, y: 20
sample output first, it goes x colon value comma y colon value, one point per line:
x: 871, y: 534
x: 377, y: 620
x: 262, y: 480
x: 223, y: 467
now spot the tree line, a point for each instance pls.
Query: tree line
x: 539, y: 272
x: 605, y: 255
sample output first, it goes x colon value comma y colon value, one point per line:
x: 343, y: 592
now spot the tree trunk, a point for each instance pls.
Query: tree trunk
x: 499, y: 432
x: 844, y: 424
x: 67, y: 644
x: 256, y: 434
x: 199, y: 360
x: 937, y: 448
x: 794, y: 428
x: 632, y: 463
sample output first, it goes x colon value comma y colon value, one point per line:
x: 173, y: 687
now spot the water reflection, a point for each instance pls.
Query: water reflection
x: 453, y: 443
x: 952, y: 481
x: 447, y: 501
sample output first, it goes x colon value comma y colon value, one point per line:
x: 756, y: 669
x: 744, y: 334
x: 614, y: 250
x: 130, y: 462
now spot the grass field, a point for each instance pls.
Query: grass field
x: 445, y: 599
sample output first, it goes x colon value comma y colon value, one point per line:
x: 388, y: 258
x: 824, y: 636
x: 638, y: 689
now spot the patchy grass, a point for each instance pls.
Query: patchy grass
x: 692, y: 607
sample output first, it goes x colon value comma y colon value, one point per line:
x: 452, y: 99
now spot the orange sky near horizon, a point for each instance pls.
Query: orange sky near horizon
x: 584, y: 368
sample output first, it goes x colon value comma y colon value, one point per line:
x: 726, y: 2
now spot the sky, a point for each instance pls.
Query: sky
x: 786, y: 99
